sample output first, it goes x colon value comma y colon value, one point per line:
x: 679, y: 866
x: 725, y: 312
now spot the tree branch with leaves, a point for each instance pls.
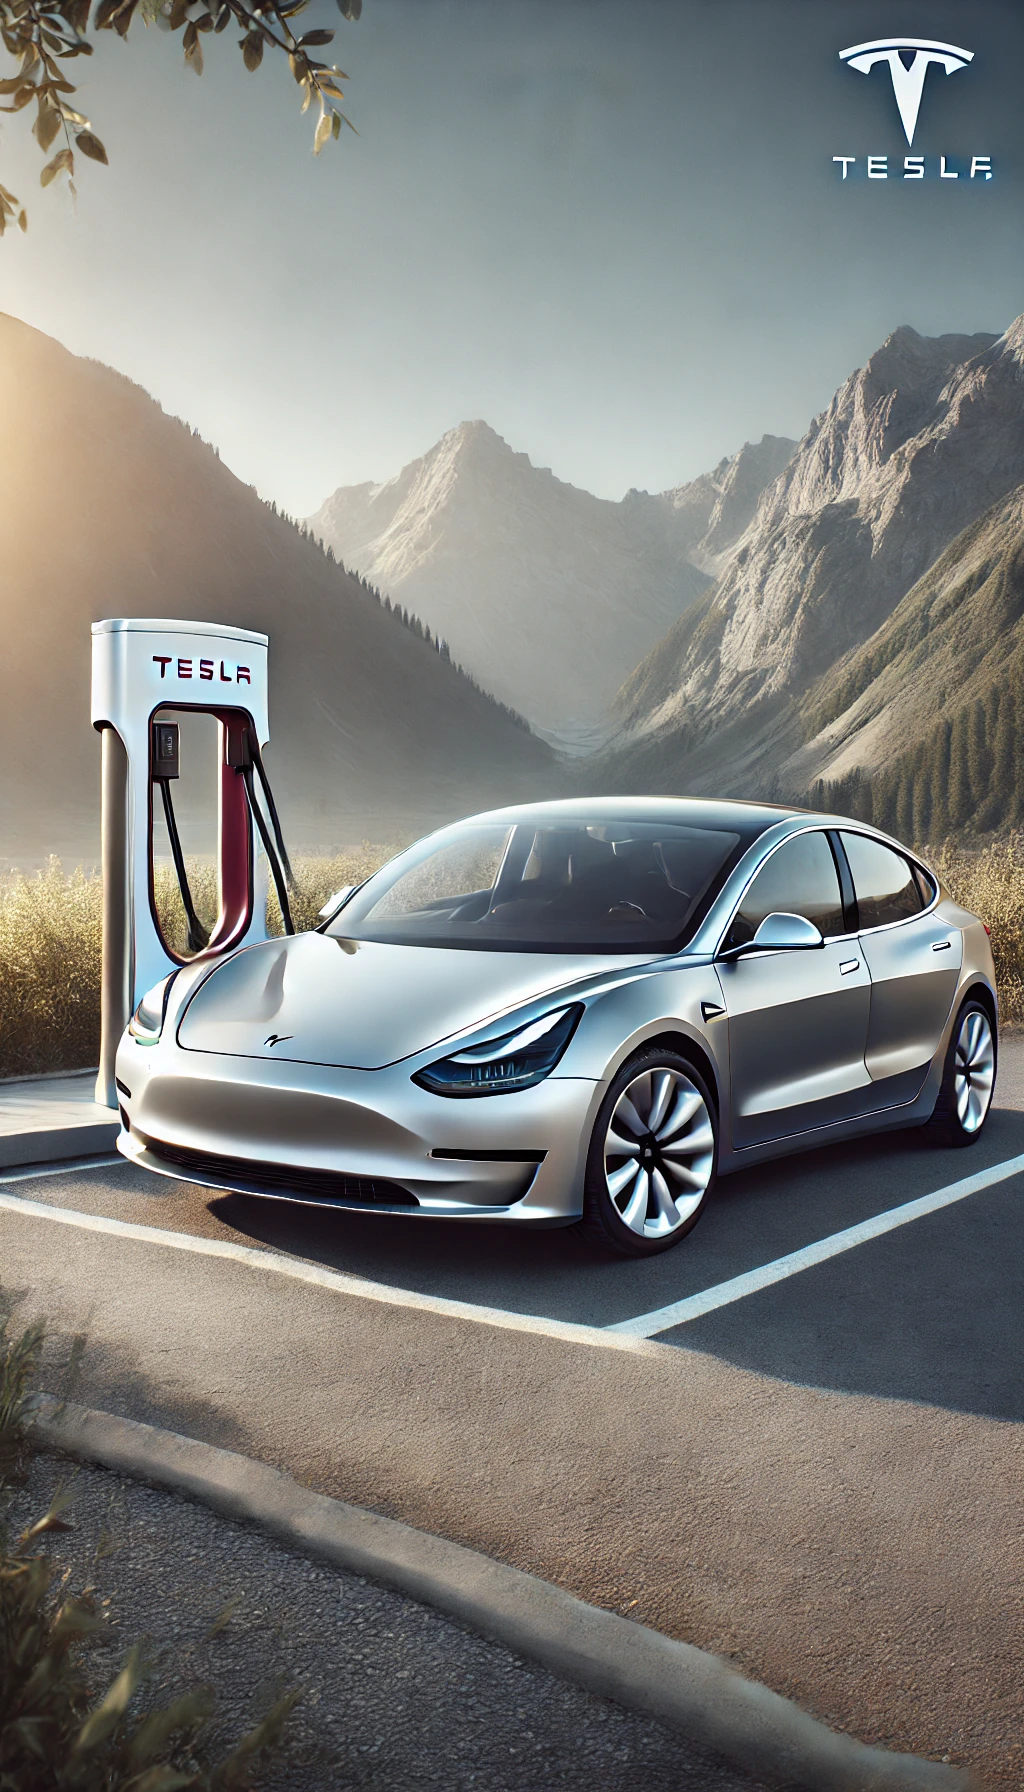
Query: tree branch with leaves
x: 44, y: 36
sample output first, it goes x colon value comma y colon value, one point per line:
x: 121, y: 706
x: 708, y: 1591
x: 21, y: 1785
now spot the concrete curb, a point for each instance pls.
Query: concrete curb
x: 694, y: 1692
x: 56, y: 1144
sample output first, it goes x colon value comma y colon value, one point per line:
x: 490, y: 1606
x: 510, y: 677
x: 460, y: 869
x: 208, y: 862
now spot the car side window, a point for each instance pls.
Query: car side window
x: 925, y: 884
x: 883, y: 881
x: 800, y: 878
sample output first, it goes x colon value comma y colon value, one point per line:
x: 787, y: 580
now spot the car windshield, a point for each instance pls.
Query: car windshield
x: 545, y: 884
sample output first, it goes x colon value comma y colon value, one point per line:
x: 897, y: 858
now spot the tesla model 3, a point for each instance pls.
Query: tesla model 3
x: 574, y: 1012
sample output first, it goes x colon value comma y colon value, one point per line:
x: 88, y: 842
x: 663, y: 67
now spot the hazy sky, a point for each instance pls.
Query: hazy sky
x: 612, y: 228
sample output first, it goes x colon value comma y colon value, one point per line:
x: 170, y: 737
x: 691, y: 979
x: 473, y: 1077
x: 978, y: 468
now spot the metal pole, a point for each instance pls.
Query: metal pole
x: 116, y: 985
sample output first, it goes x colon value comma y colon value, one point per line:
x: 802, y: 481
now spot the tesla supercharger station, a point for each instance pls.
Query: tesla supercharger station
x: 141, y: 667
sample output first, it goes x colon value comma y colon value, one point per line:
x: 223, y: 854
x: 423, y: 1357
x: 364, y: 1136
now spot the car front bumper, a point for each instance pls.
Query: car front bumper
x: 373, y: 1141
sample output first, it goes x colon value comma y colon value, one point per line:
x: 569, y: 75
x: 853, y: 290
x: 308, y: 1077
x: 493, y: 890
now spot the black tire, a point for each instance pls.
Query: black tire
x: 682, y: 1152
x: 955, y: 1119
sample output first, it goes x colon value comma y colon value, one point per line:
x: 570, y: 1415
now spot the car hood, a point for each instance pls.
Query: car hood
x: 362, y: 1005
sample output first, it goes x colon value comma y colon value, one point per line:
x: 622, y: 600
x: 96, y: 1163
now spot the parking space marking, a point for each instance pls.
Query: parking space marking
x: 31, y: 1173
x: 635, y: 1334
x: 273, y: 1262
x: 680, y: 1312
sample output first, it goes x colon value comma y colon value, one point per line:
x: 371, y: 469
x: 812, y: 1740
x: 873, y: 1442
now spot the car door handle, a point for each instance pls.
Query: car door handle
x: 941, y: 945
x: 848, y: 965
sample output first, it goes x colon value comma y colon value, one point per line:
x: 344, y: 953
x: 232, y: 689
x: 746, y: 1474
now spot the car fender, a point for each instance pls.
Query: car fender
x: 680, y: 1001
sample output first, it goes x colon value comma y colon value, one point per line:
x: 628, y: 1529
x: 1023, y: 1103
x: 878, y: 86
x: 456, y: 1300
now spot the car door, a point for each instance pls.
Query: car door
x: 914, y: 958
x: 798, y: 1020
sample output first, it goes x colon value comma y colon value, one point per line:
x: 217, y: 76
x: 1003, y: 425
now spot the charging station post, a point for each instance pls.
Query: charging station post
x: 142, y: 667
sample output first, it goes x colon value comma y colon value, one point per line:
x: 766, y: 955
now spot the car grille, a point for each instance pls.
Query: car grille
x: 330, y: 1186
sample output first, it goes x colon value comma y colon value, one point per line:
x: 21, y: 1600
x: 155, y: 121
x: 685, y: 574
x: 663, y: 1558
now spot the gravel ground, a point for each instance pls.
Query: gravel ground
x: 394, y: 1695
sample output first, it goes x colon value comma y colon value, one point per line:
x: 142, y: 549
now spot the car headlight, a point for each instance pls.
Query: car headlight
x: 514, y: 1061
x: 147, y: 1023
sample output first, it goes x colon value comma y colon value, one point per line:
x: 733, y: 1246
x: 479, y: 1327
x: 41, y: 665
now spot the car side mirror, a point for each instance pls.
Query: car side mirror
x: 780, y: 932
x: 333, y: 903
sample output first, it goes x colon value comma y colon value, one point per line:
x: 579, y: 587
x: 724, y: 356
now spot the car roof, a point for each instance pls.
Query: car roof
x: 724, y: 812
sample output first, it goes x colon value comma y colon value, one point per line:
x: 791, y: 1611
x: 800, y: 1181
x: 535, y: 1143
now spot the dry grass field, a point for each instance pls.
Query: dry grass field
x: 50, y: 938
x: 50, y: 932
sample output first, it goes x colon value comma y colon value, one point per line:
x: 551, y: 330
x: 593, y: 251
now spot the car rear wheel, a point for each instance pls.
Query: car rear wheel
x: 653, y: 1156
x: 968, y: 1078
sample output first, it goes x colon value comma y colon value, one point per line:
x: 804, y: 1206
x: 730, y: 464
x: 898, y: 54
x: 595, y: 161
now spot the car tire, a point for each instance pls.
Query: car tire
x: 647, y: 1195
x: 968, y: 1078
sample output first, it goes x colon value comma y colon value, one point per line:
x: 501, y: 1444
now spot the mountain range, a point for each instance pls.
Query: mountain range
x: 841, y: 618
x: 874, y: 598
x: 547, y: 594
x: 112, y: 508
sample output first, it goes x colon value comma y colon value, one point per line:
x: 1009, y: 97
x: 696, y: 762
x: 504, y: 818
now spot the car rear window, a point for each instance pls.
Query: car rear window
x: 883, y: 882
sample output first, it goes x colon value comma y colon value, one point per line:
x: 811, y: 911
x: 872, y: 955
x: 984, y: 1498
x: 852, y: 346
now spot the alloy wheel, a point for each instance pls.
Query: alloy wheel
x: 659, y: 1152
x: 974, y: 1070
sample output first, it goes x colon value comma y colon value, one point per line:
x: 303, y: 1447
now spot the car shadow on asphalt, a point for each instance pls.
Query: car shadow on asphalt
x: 930, y: 1312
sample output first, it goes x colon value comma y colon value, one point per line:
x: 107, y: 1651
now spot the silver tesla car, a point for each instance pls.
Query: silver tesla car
x: 574, y: 1012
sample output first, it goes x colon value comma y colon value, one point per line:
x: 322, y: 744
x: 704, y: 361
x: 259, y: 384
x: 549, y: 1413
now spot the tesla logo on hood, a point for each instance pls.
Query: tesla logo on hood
x: 907, y: 77
x: 277, y: 1038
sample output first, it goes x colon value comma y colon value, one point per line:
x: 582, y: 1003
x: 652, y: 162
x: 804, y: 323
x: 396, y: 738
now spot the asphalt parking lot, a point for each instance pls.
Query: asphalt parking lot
x: 933, y: 1311
x: 820, y: 1480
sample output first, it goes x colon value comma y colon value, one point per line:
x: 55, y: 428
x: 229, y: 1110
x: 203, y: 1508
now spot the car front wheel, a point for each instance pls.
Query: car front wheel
x: 653, y: 1156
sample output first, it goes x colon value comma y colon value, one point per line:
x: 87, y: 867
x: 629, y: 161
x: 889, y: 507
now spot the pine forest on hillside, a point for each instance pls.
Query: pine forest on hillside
x: 966, y: 778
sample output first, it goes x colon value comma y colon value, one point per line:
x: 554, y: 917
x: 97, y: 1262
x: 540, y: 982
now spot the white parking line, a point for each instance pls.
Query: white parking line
x: 30, y: 1173
x: 299, y: 1270
x: 627, y: 1334
x: 648, y: 1325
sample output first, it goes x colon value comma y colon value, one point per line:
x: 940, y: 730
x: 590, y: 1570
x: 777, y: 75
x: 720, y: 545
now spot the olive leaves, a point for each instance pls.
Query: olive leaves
x: 42, y: 36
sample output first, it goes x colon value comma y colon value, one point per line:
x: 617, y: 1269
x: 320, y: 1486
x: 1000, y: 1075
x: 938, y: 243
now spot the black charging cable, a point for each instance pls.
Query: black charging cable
x: 198, y: 936
x: 261, y: 770
x: 273, y: 842
x: 270, y: 848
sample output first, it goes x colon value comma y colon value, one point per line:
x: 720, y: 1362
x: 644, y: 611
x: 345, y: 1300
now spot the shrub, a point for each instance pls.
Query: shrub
x: 56, y: 1731
x: 19, y: 1360
x: 990, y: 882
x: 50, y: 932
x: 317, y: 878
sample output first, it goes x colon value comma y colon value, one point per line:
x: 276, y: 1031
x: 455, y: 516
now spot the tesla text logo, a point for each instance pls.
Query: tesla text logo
x: 908, y: 60
x: 226, y: 675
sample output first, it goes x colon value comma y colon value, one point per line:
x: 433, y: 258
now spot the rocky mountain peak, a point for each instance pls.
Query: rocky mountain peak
x: 1011, y: 343
x: 711, y: 512
x: 545, y: 592
x: 874, y: 412
x: 914, y: 447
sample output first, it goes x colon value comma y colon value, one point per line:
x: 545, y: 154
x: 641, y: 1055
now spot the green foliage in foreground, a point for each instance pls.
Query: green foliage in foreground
x: 19, y: 1361
x: 43, y: 36
x: 58, y: 1732
x: 50, y: 938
